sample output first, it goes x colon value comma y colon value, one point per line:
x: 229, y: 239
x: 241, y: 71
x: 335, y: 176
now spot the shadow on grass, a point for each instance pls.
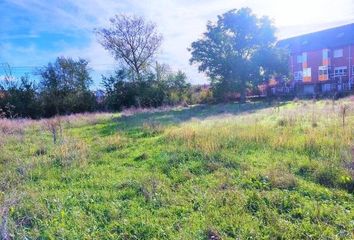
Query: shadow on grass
x: 179, y: 115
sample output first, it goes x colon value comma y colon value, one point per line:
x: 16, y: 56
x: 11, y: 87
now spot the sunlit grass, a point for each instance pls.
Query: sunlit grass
x: 222, y: 171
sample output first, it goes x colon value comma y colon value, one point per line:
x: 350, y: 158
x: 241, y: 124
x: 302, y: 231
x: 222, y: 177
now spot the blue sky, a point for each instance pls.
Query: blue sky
x: 34, y: 32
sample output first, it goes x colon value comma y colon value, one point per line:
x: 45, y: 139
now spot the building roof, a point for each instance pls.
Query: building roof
x: 329, y: 38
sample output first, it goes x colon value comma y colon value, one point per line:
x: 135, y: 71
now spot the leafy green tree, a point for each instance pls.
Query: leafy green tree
x: 19, y: 98
x: 120, y: 92
x: 179, y: 88
x: 64, y: 87
x: 237, y: 52
x: 158, y: 86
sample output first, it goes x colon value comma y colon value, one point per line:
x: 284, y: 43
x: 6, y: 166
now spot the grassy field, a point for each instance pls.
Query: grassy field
x: 232, y: 171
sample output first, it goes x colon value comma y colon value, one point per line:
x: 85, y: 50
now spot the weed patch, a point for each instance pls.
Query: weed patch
x: 281, y: 178
x: 70, y: 153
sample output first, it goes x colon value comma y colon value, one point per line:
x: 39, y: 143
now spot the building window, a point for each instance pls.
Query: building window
x: 323, y: 73
x: 299, y: 59
x: 338, y: 53
x: 325, y: 54
x: 298, y: 76
x: 340, y: 71
x: 323, y: 69
x: 325, y: 57
x: 307, y: 72
x: 304, y: 60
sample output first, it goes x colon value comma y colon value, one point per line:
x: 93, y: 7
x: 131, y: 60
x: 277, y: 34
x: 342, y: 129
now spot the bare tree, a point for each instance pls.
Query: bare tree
x: 8, y: 77
x: 131, y: 39
x: 54, y: 126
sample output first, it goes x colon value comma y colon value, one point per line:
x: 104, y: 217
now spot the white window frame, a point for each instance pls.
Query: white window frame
x: 306, y: 72
x: 341, y: 71
x: 323, y: 70
x: 337, y: 53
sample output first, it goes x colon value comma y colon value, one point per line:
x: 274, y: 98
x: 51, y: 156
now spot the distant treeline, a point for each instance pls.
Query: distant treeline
x: 64, y: 88
x: 237, y: 53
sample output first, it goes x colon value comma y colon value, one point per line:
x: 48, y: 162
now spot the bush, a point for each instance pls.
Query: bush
x: 213, y: 235
x: 20, y: 99
x: 141, y: 157
x: 157, y: 87
x: 281, y: 178
x: 307, y: 169
x: 330, y: 176
x: 115, y: 142
x: 347, y: 182
x: 254, y: 203
x: 327, y: 176
x: 152, y: 128
x: 70, y: 152
x: 64, y: 87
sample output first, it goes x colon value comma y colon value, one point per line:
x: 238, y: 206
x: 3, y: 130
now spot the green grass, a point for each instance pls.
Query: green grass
x: 230, y: 171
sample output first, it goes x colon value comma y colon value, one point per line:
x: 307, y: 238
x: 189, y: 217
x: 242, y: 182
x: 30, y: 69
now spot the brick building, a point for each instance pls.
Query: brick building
x: 321, y: 62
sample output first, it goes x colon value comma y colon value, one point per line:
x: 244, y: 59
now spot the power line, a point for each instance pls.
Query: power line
x: 39, y: 66
x: 30, y: 69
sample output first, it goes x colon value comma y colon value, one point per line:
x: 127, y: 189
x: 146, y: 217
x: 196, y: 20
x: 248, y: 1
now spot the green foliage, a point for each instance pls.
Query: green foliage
x: 156, y: 87
x: 224, y: 171
x: 20, y: 99
x: 238, y: 52
x: 201, y: 95
x: 64, y: 87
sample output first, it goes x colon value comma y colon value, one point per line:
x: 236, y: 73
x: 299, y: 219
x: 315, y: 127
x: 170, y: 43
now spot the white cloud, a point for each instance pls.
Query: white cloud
x: 180, y: 21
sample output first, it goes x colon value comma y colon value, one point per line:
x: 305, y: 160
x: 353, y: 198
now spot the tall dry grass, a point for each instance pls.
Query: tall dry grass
x: 309, y: 129
x: 14, y: 126
x: 294, y: 129
x: 71, y: 152
x: 114, y: 142
x: 18, y: 126
x: 135, y: 110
